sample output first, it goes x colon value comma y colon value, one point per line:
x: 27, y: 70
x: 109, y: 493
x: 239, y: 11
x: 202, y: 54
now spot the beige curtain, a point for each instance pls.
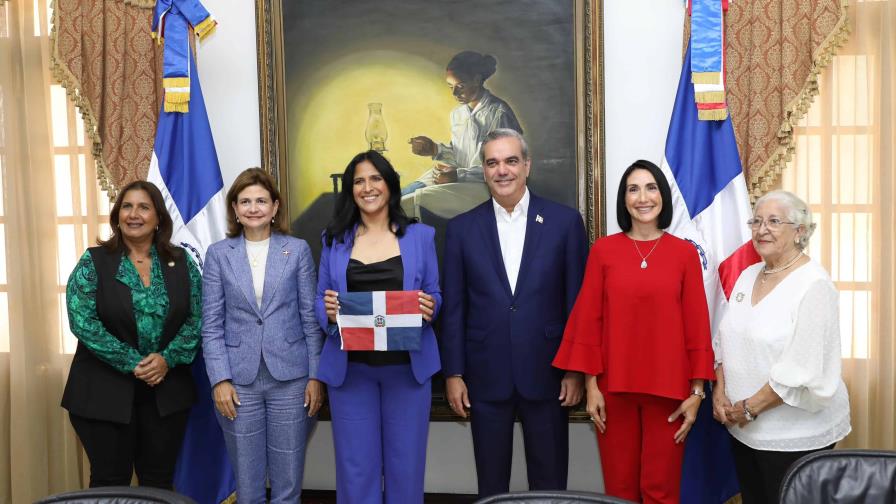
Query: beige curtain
x: 39, y: 453
x: 845, y: 167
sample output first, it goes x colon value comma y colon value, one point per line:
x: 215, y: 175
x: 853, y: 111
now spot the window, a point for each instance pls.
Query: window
x: 834, y: 169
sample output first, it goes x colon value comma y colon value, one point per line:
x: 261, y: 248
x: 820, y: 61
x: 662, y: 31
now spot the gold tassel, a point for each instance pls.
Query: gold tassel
x: 205, y: 28
x: 176, y: 82
x: 176, y: 97
x: 706, y: 77
x: 177, y: 107
x: 710, y: 97
x: 712, y: 114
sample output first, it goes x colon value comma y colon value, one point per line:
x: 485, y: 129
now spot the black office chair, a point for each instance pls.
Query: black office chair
x: 118, y: 495
x: 842, y: 477
x: 552, y: 497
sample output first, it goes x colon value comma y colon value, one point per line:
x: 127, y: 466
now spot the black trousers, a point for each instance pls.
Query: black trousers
x: 761, y: 472
x: 149, y: 444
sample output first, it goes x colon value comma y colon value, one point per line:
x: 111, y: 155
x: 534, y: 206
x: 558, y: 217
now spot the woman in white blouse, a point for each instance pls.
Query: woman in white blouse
x: 779, y: 389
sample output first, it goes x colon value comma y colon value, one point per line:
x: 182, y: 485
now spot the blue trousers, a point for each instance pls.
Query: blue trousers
x: 267, y: 438
x: 380, y: 428
x: 545, y: 438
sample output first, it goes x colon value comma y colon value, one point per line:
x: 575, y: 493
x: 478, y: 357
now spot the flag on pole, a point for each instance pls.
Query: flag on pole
x: 185, y: 167
x: 380, y: 320
x: 711, y: 207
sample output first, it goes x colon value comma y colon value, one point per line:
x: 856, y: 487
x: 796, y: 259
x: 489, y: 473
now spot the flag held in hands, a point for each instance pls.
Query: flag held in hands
x: 380, y: 320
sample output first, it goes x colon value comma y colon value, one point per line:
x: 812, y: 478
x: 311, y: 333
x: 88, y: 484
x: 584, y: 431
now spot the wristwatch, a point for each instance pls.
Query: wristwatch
x: 699, y: 393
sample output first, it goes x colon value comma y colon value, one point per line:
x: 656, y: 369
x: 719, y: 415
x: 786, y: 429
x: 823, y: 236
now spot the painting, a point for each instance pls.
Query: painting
x: 423, y: 82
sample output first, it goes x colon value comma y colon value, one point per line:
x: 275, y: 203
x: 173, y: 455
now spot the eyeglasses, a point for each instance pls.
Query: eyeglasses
x: 772, y: 224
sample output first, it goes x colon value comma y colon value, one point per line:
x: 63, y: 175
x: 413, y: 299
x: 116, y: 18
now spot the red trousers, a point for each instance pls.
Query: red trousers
x: 638, y: 454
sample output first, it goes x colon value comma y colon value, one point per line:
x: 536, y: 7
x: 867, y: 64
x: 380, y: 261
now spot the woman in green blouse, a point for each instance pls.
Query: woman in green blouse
x: 134, y: 303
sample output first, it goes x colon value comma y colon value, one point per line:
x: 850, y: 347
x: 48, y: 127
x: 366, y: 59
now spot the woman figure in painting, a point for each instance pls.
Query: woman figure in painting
x: 379, y: 400
x: 261, y: 342
x: 134, y: 303
x: 780, y: 353
x: 640, y: 333
x: 479, y: 113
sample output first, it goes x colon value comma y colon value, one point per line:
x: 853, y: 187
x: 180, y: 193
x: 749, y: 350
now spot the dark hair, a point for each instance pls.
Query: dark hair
x: 346, y: 214
x: 250, y: 177
x: 161, y: 238
x: 468, y: 64
x: 665, y: 218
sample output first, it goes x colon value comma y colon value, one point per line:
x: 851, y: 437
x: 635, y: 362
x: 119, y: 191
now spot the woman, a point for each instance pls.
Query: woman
x: 379, y: 401
x: 479, y: 113
x: 640, y: 332
x: 780, y: 353
x: 261, y: 342
x: 134, y: 304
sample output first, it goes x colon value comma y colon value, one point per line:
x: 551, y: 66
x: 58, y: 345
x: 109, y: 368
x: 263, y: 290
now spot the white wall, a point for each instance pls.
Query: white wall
x: 642, y: 61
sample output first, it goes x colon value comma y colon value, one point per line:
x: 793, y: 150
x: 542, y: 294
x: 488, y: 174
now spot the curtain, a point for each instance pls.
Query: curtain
x: 774, y: 51
x: 39, y: 453
x: 103, y: 55
x: 844, y: 167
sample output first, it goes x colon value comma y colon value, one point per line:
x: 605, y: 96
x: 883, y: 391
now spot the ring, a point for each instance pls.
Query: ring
x: 591, y: 418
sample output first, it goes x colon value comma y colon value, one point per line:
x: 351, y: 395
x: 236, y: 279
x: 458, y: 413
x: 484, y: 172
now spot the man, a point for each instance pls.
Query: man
x: 513, y: 267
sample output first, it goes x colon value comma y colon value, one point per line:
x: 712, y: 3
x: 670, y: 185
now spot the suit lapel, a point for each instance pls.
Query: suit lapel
x: 408, y: 258
x: 533, y: 236
x: 278, y: 256
x: 489, y: 226
x: 239, y: 263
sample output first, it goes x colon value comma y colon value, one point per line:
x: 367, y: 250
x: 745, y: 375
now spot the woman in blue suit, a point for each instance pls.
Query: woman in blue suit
x: 261, y: 342
x: 379, y: 401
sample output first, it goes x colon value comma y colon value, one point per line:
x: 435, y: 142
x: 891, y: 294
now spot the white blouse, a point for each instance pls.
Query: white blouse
x: 257, y: 253
x: 790, y: 340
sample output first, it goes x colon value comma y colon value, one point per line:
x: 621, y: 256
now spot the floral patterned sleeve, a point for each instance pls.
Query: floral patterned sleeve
x: 182, y: 349
x: 85, y: 324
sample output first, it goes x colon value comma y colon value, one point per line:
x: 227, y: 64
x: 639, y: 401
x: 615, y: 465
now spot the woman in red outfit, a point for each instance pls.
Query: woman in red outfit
x: 640, y: 333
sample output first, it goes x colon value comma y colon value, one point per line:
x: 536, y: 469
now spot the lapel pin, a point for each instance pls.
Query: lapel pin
x: 739, y: 297
x: 539, y: 219
x: 286, y: 252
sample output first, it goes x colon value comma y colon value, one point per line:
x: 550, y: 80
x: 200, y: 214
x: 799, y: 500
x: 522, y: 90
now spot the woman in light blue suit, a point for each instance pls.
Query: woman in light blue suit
x: 379, y: 401
x: 261, y: 342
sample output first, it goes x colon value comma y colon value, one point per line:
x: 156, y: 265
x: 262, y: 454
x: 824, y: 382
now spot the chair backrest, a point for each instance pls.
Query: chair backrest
x: 842, y: 476
x: 552, y: 497
x: 118, y: 495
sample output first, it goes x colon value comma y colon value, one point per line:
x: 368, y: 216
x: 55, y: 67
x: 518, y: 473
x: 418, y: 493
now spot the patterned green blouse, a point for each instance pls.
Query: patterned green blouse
x: 150, y: 310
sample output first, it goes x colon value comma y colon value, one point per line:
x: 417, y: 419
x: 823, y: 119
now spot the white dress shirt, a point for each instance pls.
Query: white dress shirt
x: 512, y: 236
x: 790, y: 340
x: 257, y: 251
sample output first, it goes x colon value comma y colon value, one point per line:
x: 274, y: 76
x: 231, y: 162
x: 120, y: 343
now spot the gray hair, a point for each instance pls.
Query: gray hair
x: 499, y: 133
x: 797, y: 213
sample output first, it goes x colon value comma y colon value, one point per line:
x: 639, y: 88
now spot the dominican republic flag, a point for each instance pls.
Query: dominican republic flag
x: 380, y: 320
x: 711, y: 208
x: 185, y: 168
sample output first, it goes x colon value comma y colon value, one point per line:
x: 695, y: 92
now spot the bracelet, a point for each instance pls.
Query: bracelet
x: 747, y: 413
x: 699, y: 393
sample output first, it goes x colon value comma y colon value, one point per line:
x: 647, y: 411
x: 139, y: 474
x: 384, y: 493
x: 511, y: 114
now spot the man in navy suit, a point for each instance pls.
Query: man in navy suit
x: 512, y: 269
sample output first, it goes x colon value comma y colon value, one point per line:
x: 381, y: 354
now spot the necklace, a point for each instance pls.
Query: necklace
x: 791, y: 262
x: 253, y: 259
x: 644, y: 257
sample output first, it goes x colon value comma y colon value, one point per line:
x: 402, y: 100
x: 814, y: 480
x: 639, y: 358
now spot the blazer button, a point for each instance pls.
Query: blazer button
x: 513, y: 308
x: 258, y: 322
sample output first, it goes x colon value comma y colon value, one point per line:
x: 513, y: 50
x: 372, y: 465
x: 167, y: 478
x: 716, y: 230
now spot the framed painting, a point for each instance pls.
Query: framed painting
x: 340, y: 77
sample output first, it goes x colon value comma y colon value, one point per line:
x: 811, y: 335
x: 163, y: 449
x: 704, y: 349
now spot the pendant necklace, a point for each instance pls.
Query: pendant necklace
x: 766, y: 271
x: 253, y: 259
x: 644, y: 257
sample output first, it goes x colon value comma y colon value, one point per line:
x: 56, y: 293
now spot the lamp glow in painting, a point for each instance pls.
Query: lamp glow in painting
x: 376, y: 132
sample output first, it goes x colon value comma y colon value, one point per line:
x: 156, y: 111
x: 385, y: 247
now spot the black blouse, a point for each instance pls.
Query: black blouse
x: 379, y: 276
